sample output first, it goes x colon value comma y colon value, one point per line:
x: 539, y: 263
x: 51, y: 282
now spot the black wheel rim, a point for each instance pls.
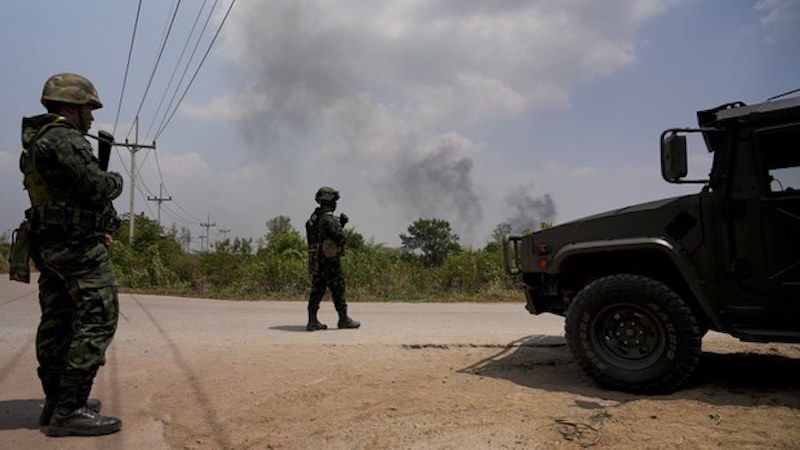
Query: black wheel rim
x: 628, y: 336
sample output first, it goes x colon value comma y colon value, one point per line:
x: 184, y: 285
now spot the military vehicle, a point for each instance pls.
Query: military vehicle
x: 641, y: 286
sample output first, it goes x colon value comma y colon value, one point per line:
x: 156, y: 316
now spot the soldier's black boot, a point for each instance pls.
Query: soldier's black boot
x: 50, y: 407
x: 345, y: 321
x: 72, y: 417
x: 313, y: 323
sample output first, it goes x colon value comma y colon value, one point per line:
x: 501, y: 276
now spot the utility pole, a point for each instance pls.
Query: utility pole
x: 133, y: 149
x: 208, y: 225
x: 160, y: 200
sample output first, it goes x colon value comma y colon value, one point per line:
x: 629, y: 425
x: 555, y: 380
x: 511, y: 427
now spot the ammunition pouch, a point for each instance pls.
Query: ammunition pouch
x: 20, y: 254
x: 61, y: 215
x: 330, y: 249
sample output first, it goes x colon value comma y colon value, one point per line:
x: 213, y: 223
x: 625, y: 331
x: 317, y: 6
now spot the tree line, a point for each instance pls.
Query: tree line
x: 430, y: 265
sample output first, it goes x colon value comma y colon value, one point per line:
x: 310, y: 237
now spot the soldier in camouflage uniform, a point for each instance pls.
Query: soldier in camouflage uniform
x: 326, y: 243
x: 71, y: 219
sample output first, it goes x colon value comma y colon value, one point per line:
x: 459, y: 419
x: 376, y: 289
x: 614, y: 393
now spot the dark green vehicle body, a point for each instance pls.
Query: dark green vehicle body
x: 726, y: 258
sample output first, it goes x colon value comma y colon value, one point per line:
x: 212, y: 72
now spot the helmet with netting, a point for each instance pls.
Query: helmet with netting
x: 326, y: 194
x: 70, y: 88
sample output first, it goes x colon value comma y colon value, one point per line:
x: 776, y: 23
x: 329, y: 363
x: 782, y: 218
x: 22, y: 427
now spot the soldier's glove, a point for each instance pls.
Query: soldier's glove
x: 343, y: 219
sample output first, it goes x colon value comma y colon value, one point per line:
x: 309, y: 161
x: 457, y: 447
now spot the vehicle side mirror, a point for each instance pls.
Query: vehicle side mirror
x: 673, y: 157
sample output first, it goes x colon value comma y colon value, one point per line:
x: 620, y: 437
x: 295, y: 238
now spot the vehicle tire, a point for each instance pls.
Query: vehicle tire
x: 633, y: 333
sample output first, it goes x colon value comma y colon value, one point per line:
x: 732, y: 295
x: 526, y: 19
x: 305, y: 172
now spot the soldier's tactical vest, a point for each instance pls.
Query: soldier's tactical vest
x: 325, y: 247
x: 49, y: 207
x: 33, y: 182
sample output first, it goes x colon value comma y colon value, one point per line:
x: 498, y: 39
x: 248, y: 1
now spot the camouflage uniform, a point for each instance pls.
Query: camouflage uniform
x: 326, y: 240
x: 71, y: 213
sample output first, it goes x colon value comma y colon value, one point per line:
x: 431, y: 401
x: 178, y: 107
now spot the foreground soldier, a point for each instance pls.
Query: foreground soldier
x: 326, y: 241
x: 71, y: 218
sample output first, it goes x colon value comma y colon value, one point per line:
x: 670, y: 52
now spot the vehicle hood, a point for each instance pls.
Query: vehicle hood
x: 673, y: 217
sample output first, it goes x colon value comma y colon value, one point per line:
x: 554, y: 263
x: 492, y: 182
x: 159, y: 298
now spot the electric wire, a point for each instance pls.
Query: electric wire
x: 175, y: 70
x: 208, y: 50
x: 180, y: 214
x: 127, y: 66
x: 158, y: 60
x: 188, y: 218
x: 162, y: 124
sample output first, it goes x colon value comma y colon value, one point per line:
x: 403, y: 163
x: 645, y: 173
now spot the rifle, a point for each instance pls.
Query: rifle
x: 104, y: 142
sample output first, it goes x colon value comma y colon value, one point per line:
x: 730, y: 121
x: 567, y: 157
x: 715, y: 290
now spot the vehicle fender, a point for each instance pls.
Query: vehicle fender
x: 661, y: 244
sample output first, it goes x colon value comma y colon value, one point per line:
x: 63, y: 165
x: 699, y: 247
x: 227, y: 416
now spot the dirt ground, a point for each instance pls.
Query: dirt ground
x: 528, y: 396
x: 198, y: 374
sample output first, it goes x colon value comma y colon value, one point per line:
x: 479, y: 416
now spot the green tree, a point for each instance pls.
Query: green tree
x: 500, y: 231
x: 151, y: 259
x: 432, y: 240
x: 498, y: 234
x: 286, y: 243
x: 239, y: 246
x: 355, y: 240
x: 181, y: 235
x: 145, y: 233
x: 279, y: 224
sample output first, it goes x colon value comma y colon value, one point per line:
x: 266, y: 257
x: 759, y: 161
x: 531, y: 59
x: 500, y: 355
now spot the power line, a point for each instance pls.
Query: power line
x: 175, y: 70
x: 162, y: 124
x: 161, y: 130
x: 181, y: 215
x: 127, y: 66
x: 158, y: 60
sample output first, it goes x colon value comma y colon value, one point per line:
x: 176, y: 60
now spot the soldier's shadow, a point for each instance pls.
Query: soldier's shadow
x: 293, y: 328
x: 302, y: 328
x: 20, y: 414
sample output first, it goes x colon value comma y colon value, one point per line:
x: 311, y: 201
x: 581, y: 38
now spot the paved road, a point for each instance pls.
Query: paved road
x: 172, y: 329
x: 171, y: 318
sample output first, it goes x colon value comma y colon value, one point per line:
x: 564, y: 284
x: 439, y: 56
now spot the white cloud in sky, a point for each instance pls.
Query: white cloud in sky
x: 781, y: 18
x: 228, y: 108
x: 387, y: 89
x: 444, y: 56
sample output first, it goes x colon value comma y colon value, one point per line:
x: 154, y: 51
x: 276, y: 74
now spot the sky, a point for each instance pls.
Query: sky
x: 475, y: 112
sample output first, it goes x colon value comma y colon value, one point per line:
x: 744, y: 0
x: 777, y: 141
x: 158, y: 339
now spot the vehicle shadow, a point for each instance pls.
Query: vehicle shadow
x: 20, y: 414
x: 544, y: 362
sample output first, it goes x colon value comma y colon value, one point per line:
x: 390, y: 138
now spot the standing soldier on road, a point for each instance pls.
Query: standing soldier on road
x: 71, y: 220
x: 326, y: 242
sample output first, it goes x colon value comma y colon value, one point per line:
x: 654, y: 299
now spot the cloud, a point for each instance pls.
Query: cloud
x: 781, y: 18
x: 383, y: 92
x: 230, y: 108
x: 453, y: 62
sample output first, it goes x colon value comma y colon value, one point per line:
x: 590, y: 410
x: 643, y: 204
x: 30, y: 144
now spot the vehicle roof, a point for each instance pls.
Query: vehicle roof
x: 758, y: 108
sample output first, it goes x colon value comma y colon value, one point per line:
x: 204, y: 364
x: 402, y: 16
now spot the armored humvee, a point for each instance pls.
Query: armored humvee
x: 640, y: 286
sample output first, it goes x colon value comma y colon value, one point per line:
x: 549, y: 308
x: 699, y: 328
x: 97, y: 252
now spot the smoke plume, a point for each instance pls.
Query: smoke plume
x: 438, y: 185
x: 529, y: 211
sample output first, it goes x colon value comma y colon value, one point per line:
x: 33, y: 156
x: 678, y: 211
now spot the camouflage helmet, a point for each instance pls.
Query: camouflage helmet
x: 326, y: 194
x: 70, y: 88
